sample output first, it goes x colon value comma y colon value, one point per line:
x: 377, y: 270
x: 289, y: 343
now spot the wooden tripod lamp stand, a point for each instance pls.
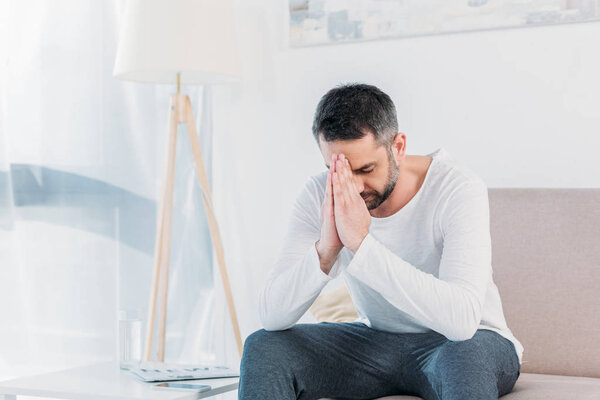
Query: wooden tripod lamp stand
x: 189, y: 42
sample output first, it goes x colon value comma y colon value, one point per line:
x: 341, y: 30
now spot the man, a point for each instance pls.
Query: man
x: 410, y: 236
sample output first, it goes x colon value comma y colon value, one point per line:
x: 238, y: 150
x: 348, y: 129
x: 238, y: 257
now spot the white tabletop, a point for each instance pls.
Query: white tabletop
x: 104, y: 381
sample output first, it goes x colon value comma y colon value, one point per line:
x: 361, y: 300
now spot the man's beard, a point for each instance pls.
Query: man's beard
x: 374, y: 199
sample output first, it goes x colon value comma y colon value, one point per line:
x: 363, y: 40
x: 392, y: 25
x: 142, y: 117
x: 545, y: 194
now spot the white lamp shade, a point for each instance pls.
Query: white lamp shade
x: 160, y: 38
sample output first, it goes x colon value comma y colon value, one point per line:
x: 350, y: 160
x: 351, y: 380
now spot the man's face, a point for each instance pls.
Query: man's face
x: 373, y: 166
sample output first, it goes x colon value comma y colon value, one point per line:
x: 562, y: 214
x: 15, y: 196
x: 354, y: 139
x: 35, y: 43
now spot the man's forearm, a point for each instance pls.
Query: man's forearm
x: 291, y: 290
x: 451, y: 307
x: 326, y: 257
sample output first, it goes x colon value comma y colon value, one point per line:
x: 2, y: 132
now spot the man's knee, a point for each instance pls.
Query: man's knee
x: 264, y: 346
x: 256, y: 343
x: 254, y: 338
x: 461, y: 370
x: 263, y: 372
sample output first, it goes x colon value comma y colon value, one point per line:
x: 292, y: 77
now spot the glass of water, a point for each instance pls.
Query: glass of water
x: 130, y: 339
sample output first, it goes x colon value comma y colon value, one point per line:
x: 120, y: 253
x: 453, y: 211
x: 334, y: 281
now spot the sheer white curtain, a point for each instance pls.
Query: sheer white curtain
x: 81, y: 159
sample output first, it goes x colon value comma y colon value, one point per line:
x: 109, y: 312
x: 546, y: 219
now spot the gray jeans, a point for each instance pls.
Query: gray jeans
x: 349, y: 360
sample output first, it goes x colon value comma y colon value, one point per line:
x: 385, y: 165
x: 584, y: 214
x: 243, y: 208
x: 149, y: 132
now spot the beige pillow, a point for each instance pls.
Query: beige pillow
x: 334, y: 306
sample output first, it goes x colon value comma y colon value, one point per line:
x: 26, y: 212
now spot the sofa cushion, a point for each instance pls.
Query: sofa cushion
x: 540, y: 386
x: 546, y: 264
x: 554, y: 387
x: 334, y: 306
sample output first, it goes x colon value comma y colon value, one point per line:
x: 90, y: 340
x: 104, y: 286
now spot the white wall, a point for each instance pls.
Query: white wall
x: 521, y: 107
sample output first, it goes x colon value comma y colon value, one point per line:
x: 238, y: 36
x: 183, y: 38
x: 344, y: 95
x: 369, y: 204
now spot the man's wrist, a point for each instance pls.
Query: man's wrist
x: 326, y: 258
x: 357, y: 244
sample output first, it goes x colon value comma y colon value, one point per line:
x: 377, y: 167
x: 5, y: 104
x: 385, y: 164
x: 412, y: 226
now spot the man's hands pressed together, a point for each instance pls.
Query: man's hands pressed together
x: 352, y: 218
x: 345, y: 219
x: 329, y: 246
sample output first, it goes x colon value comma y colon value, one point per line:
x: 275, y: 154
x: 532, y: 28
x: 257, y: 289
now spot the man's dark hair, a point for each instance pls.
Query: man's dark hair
x: 353, y: 110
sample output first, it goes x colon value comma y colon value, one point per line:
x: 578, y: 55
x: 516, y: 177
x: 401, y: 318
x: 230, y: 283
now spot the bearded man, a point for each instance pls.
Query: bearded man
x: 410, y: 236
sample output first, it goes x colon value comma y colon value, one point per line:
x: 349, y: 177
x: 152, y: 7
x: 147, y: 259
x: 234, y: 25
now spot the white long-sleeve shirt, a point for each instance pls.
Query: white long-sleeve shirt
x: 426, y: 267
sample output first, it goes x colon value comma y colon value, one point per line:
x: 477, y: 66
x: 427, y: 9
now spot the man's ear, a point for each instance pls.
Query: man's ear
x: 399, y: 146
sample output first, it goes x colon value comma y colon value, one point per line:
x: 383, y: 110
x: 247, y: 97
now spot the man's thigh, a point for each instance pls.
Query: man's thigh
x: 483, y: 367
x: 326, y: 360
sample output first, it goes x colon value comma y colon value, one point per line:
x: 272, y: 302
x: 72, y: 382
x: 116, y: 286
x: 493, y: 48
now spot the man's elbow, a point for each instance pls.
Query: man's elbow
x: 461, y: 333
x: 276, y: 326
x: 271, y: 320
x: 272, y: 323
x: 467, y: 328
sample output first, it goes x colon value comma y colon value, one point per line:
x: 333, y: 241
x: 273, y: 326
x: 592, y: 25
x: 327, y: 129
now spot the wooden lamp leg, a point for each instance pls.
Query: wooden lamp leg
x: 212, y: 222
x: 163, y: 241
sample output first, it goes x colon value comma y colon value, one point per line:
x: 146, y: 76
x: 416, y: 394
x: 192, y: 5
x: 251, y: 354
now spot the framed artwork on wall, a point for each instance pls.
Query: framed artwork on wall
x: 318, y: 22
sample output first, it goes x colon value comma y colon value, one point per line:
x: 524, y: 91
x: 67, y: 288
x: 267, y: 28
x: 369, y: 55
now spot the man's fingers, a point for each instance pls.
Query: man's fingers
x: 329, y: 175
x: 328, y: 192
x: 346, y: 169
x: 349, y: 189
x: 343, y: 173
x: 352, y: 182
x: 341, y: 168
x: 344, y: 164
x: 353, y: 189
x: 338, y: 191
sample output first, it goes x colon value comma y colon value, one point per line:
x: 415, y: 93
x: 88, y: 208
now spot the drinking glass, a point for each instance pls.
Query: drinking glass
x: 130, y: 339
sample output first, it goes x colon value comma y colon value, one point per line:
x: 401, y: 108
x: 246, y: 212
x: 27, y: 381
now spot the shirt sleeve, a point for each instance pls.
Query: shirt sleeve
x: 452, y: 303
x: 296, y: 279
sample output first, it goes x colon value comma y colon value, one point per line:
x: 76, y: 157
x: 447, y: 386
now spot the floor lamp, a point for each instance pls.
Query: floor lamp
x: 175, y: 42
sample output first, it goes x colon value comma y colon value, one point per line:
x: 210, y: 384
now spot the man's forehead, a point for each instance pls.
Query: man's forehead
x: 353, y: 147
x: 358, y: 151
x: 357, y: 166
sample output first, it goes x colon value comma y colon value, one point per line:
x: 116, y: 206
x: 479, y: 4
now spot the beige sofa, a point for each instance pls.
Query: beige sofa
x: 546, y: 263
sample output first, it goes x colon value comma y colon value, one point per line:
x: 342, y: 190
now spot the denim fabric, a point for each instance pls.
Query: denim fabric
x: 349, y: 360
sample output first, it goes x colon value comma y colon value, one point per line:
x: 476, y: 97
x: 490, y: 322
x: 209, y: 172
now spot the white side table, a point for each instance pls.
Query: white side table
x: 103, y: 381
